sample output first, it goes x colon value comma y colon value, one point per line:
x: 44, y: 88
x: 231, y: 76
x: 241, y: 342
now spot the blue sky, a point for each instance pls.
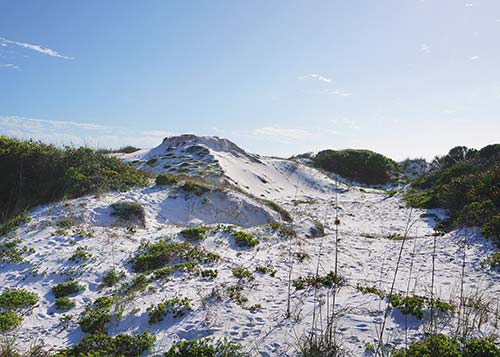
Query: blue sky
x: 407, y: 78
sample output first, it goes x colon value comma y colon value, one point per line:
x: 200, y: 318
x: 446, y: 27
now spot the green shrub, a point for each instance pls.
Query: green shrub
x: 10, y: 252
x: 364, y: 166
x: 129, y: 211
x: 102, y: 345
x: 209, y: 273
x: 244, y: 239
x: 112, y: 277
x: 17, y: 299
x: 166, y: 180
x: 14, y: 223
x: 266, y: 270
x: 48, y: 174
x: 175, y: 306
x: 96, y: 316
x: 236, y: 293
x: 442, y: 345
x: 195, y: 188
x: 153, y: 256
x: 207, y: 347
x: 139, y: 283
x: 151, y: 161
x: 408, y: 305
x: 195, y: 233
x: 9, y: 320
x: 283, y: 230
x: 80, y: 255
x: 67, y: 288
x: 329, y: 280
x: 495, y: 260
x: 64, y: 303
x: 242, y: 273
x: 285, y: 215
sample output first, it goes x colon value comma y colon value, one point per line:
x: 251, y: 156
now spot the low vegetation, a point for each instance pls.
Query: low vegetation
x: 207, y: 347
x: 14, y: 304
x: 96, y: 316
x: 442, y: 345
x: 64, y: 303
x: 103, y: 345
x: 465, y: 182
x: 284, y: 214
x: 364, y: 166
x: 129, y: 212
x: 328, y: 280
x: 195, y: 233
x: 67, y: 288
x: 177, y: 307
x: 166, y: 180
x: 244, y: 239
x: 153, y: 256
x: 35, y: 173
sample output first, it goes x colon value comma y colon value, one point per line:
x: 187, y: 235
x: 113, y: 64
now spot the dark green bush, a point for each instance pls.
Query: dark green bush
x: 102, y: 345
x: 194, y: 233
x: 412, y: 305
x: 244, y: 239
x: 329, y: 280
x: 242, y: 273
x: 195, y: 188
x: 166, y: 180
x: 112, y: 277
x: 364, y: 166
x: 35, y: 173
x: 207, y: 347
x: 445, y: 346
x: 14, y: 223
x: 96, y: 316
x: 153, y: 256
x: 17, y: 299
x: 467, y: 184
x: 64, y: 303
x: 67, y: 288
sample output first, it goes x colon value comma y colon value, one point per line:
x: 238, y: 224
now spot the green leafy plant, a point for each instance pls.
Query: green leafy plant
x: 166, y: 180
x: 96, y: 316
x: 194, y: 233
x: 64, y: 303
x: 67, y: 288
x: 242, y: 273
x: 327, y: 280
x: 266, y: 270
x: 244, y: 239
x: 207, y: 347
x: 112, y: 277
x: 175, y: 306
x: 129, y: 211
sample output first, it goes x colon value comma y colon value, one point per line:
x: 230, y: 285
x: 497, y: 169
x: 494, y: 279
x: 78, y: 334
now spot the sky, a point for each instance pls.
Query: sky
x: 407, y: 78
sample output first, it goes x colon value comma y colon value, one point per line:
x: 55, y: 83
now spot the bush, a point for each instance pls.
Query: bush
x: 408, y: 305
x: 112, y: 277
x: 17, y: 299
x: 209, y: 273
x: 195, y: 188
x: 96, y: 316
x: 244, y: 239
x: 34, y: 173
x: 266, y: 270
x: 207, y: 347
x: 64, y: 303
x: 153, y: 256
x: 100, y: 345
x: 9, y: 320
x: 14, y: 223
x: 195, y: 233
x: 329, y: 280
x: 242, y: 273
x: 166, y: 180
x: 442, y: 345
x: 364, y: 166
x: 495, y: 260
x: 67, y: 288
x: 130, y: 212
x: 175, y: 306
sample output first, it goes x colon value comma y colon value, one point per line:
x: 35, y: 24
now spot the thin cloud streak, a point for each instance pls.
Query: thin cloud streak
x: 44, y: 50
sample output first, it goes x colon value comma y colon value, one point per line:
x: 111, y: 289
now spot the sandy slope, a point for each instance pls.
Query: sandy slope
x: 366, y: 257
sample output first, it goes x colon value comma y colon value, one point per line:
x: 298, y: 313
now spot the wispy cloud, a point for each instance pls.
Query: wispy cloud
x: 338, y: 92
x: 79, y: 133
x: 474, y: 58
x: 425, y: 48
x: 345, y: 123
x: 10, y: 66
x: 44, y: 50
x: 315, y: 76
